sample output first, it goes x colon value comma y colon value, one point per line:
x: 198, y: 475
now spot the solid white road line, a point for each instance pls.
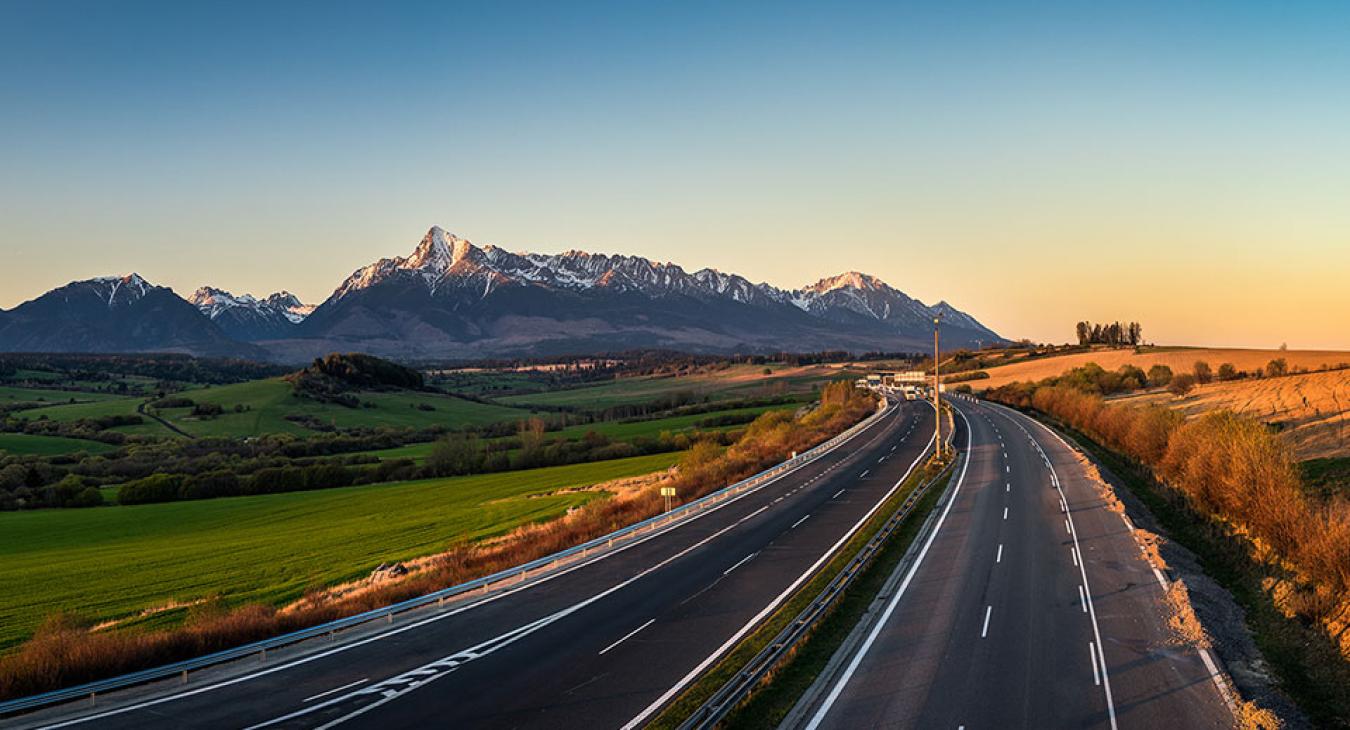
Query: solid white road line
x: 798, y: 522
x: 336, y: 689
x: 1161, y: 580
x: 895, y: 599
x: 641, y: 717
x: 984, y: 631
x: 999, y: 558
x: 739, y: 563
x: 630, y: 634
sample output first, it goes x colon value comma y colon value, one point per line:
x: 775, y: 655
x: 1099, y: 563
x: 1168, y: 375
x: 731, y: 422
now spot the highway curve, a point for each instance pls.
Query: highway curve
x: 1019, y: 615
x: 602, y: 644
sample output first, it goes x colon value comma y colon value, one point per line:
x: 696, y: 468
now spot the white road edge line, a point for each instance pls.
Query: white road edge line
x: 660, y: 702
x: 632, y: 633
x: 895, y: 599
x: 335, y: 689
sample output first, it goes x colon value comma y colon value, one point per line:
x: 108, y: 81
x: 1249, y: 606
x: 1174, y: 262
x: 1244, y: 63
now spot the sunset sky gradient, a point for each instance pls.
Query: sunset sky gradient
x: 1186, y: 165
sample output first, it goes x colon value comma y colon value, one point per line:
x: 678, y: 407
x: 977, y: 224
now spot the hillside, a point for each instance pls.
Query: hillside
x: 1178, y: 358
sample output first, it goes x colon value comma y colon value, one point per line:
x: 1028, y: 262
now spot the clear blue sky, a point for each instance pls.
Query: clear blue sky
x: 1184, y: 164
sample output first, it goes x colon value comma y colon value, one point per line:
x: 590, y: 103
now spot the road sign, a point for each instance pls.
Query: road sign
x: 667, y: 491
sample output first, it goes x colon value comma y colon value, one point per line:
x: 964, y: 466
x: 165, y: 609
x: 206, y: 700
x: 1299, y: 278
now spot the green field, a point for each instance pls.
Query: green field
x: 22, y: 443
x: 617, y: 430
x: 11, y: 394
x: 268, y: 402
x: 111, y: 562
x: 739, y: 381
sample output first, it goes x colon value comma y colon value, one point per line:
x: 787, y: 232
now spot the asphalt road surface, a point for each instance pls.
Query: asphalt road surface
x: 602, y: 644
x: 1021, y: 614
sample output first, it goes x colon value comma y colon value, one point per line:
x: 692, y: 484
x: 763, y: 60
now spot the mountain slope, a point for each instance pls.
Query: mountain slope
x: 450, y: 298
x: 248, y: 318
x: 114, y: 314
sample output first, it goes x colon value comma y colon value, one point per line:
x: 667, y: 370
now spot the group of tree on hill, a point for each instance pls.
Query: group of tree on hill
x: 1114, y: 334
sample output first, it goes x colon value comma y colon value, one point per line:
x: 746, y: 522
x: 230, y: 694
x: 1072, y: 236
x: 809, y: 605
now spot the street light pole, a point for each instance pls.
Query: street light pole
x: 937, y: 387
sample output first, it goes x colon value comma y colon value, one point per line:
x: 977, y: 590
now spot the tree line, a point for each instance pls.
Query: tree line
x: 1114, y: 334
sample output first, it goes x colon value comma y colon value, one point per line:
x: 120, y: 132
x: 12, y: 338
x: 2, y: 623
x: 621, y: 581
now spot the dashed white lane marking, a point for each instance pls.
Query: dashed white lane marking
x: 1074, y: 553
x: 999, y: 558
x: 740, y: 562
x: 984, y: 632
x: 1005, y: 513
x: 1067, y: 528
x: 865, y: 473
x: 1082, y: 598
x: 1007, y: 469
x: 1008, y: 487
x: 881, y: 460
x: 1092, y: 657
x: 836, y: 494
x: 336, y: 689
x: 798, y: 522
x: 628, y: 635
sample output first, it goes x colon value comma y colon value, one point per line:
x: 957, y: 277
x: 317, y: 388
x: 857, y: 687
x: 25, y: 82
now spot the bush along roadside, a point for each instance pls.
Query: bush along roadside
x: 1305, y: 660
x: 780, y: 678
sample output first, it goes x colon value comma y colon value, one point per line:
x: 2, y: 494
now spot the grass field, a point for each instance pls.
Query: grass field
x: 11, y: 394
x: 1312, y: 409
x: 268, y: 402
x: 1178, y: 358
x: 738, y: 381
x: 21, y: 443
x: 616, y: 430
x: 112, y: 562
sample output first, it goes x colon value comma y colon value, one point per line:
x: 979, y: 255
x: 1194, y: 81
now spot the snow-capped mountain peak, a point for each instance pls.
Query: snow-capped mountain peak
x: 117, y: 290
x: 247, y: 317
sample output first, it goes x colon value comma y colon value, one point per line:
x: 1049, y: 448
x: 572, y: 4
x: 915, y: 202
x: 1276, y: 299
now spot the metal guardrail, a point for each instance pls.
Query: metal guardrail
x: 739, y: 687
x: 517, y: 575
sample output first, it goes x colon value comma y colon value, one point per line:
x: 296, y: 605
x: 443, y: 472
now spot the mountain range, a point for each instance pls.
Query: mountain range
x: 452, y: 299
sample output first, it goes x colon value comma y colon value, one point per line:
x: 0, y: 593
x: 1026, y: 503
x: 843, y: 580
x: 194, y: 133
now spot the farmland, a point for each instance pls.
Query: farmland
x: 1180, y: 359
x: 617, y: 430
x: 114, y: 562
x: 20, y: 443
x: 265, y: 404
x: 736, y: 381
x: 1312, y: 410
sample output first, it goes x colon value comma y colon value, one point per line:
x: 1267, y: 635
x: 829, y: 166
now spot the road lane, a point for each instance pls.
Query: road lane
x: 1023, y: 614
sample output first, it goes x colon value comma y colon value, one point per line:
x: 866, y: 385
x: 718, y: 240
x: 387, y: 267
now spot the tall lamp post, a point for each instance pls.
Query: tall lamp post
x: 937, y: 389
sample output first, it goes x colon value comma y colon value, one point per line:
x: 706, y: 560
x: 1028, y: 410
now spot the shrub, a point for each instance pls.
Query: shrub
x: 154, y: 488
x: 1202, y: 372
x: 1181, y: 385
x: 1159, y: 375
x: 1227, y: 372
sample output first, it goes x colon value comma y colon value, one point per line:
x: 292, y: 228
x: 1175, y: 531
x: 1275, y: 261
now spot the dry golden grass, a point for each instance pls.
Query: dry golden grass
x: 1312, y: 409
x: 1180, y: 360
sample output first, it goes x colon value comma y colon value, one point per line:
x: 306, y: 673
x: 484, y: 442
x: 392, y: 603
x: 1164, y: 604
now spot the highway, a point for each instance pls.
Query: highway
x: 1020, y: 613
x: 602, y: 643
